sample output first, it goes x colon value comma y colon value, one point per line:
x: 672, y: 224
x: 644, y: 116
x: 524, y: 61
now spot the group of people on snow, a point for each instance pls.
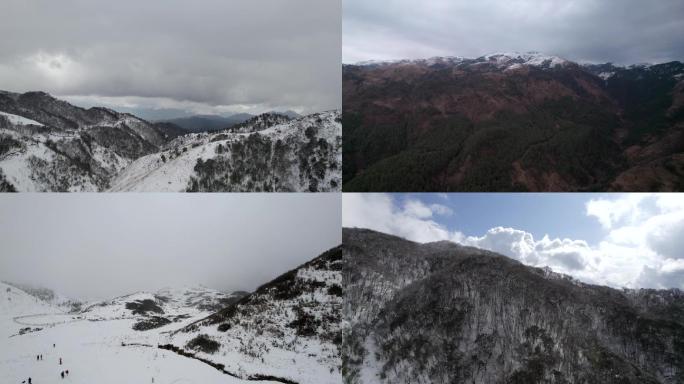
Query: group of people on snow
x: 39, y: 358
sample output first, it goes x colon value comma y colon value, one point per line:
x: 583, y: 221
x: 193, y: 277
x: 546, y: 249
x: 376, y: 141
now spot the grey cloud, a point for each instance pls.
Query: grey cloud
x: 100, y: 246
x: 668, y: 241
x: 618, y: 31
x: 659, y: 279
x: 572, y: 261
x: 263, y: 54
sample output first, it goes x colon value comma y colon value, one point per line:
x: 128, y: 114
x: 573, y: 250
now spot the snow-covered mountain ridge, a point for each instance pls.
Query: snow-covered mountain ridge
x: 445, y: 313
x: 304, y: 154
x: 162, y: 307
x: 49, y: 145
x: 289, y: 328
x: 510, y: 61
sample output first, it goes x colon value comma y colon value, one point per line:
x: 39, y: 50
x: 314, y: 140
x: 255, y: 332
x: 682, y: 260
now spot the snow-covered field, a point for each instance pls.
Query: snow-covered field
x: 91, y: 350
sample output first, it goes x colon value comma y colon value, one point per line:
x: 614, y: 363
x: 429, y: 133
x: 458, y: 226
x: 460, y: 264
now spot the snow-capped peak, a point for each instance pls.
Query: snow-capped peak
x: 516, y: 59
x: 505, y: 60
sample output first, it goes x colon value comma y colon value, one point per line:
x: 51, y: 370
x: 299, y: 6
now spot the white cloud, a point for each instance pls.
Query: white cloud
x: 562, y: 255
x: 287, y: 56
x: 589, y: 30
x: 381, y: 213
x: 643, y: 246
x: 440, y: 209
x: 418, y: 209
x: 613, y: 212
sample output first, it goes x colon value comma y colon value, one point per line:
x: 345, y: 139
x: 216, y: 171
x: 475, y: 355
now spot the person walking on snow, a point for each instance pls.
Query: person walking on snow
x: 60, y: 361
x: 37, y: 357
x: 62, y: 374
x: 67, y: 372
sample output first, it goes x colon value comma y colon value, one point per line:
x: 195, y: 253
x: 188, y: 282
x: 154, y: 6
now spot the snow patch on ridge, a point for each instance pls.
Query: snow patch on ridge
x: 19, y: 120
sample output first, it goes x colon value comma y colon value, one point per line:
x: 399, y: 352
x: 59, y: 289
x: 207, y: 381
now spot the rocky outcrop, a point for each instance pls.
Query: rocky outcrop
x: 260, y: 122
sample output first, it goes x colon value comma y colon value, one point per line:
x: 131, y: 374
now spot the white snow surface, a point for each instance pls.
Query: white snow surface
x: 19, y: 120
x: 17, y: 169
x: 90, y: 349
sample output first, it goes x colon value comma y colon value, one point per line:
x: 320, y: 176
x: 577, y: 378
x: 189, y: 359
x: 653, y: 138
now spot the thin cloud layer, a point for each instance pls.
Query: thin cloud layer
x: 101, y: 246
x: 618, y: 31
x: 215, y: 55
x: 642, y: 248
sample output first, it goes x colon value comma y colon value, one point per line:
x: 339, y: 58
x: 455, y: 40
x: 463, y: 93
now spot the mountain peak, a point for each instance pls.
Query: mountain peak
x: 260, y: 122
x: 512, y: 60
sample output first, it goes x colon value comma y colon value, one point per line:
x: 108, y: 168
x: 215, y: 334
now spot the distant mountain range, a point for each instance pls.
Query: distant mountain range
x: 47, y: 144
x: 512, y: 122
x: 444, y: 313
x: 209, y: 123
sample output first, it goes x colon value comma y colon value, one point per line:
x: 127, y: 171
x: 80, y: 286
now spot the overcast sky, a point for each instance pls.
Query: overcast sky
x: 622, y: 240
x: 99, y: 246
x: 619, y: 31
x: 212, y: 56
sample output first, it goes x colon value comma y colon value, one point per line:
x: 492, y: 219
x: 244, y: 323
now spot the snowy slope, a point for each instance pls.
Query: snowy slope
x: 17, y: 303
x: 59, y: 161
x: 101, y: 345
x: 47, y: 144
x: 299, y: 155
x: 167, y: 308
x: 289, y: 328
x: 19, y: 120
x: 49, y: 296
x: 97, y: 346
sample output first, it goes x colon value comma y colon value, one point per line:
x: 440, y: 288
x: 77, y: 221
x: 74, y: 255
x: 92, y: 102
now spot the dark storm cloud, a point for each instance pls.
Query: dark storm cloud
x: 100, y: 246
x: 204, y: 56
x: 619, y: 31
